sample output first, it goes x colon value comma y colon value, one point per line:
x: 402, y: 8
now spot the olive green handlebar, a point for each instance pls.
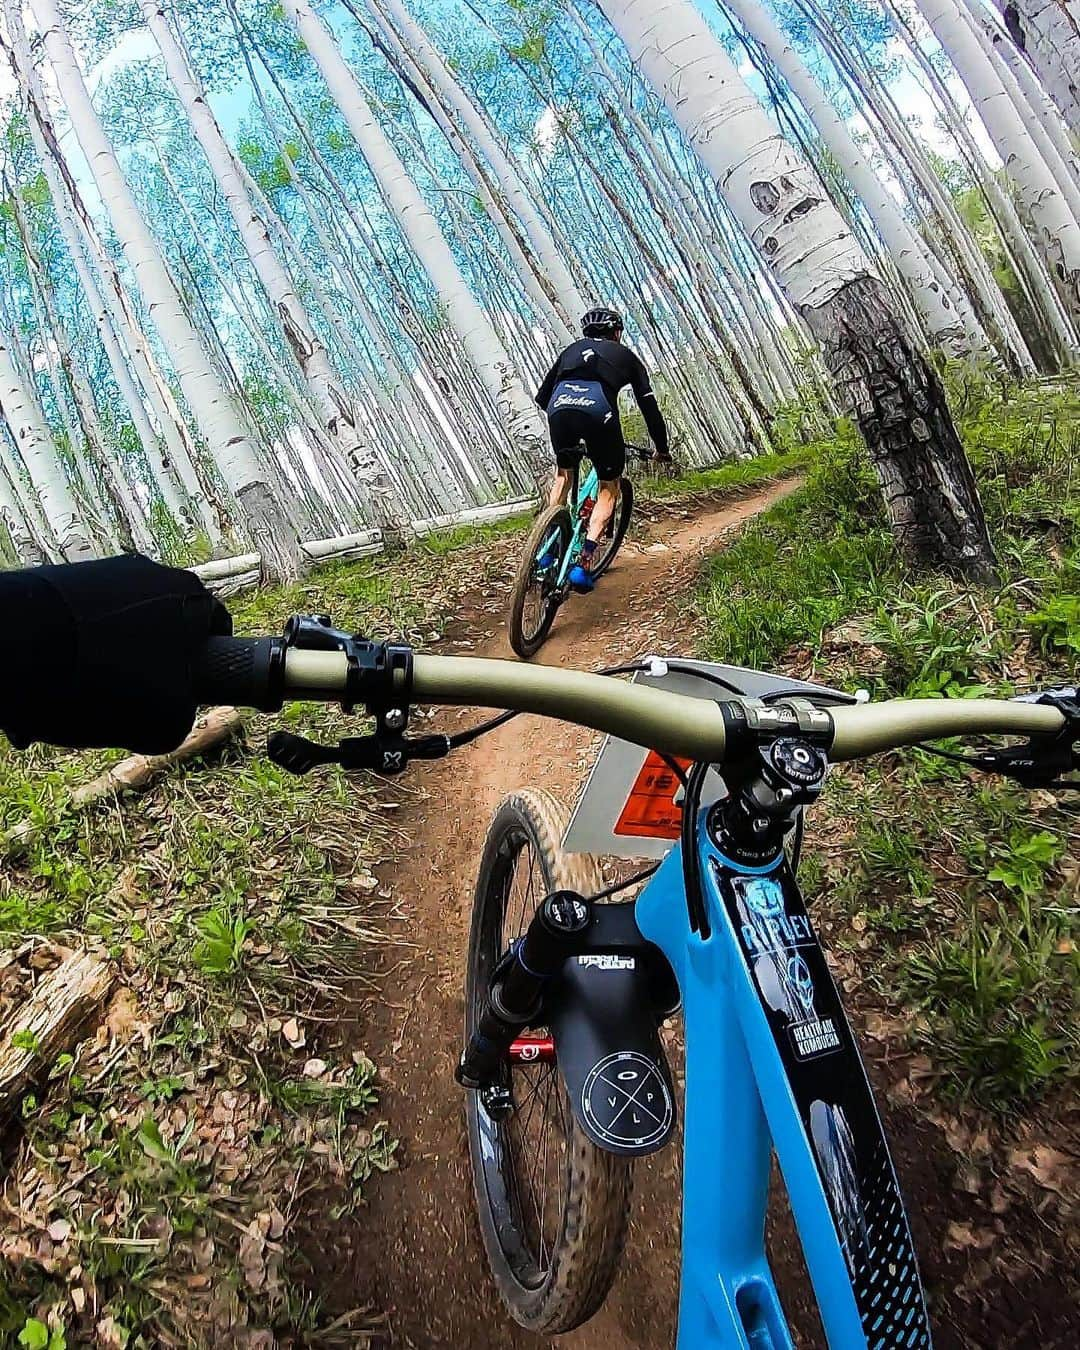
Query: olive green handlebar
x: 868, y: 728
x: 659, y: 720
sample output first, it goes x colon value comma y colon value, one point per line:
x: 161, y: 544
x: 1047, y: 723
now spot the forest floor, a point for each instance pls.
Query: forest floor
x: 209, y: 1167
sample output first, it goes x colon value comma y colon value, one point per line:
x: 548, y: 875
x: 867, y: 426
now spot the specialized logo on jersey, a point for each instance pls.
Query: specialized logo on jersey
x: 588, y: 354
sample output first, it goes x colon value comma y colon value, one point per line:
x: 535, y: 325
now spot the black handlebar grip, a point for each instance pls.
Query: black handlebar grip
x: 246, y: 672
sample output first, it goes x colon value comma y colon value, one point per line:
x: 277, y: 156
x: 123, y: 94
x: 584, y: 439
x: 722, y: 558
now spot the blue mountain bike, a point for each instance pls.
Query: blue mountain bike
x: 554, y: 546
x: 565, y: 992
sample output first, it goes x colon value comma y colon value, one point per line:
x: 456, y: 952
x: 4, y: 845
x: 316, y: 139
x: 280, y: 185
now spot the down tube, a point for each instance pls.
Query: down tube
x: 821, y: 1113
x: 727, y: 1297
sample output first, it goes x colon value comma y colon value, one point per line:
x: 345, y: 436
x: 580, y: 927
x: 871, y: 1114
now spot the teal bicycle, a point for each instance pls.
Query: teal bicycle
x: 555, y: 546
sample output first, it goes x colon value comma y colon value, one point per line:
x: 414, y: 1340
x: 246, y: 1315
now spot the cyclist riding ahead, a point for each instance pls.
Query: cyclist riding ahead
x: 580, y: 395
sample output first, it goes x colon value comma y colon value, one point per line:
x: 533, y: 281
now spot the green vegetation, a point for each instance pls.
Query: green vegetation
x: 239, y: 904
x: 737, y: 476
x: 967, y: 885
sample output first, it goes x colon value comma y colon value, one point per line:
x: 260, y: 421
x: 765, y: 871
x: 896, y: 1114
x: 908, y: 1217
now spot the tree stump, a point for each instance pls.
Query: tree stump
x: 49, y: 1022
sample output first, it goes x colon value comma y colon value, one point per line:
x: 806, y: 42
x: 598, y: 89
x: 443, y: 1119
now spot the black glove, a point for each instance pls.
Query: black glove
x: 100, y: 653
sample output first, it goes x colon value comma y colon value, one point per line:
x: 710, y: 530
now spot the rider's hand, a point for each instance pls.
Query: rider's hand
x: 100, y: 653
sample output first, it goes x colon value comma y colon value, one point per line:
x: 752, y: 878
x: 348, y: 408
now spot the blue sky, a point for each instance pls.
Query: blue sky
x: 232, y: 106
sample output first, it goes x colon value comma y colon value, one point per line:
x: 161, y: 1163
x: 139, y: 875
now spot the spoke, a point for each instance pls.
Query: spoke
x: 550, y: 1084
x: 533, y: 1165
x: 532, y: 1093
x: 515, y: 1176
x: 543, y: 1189
x: 532, y: 1099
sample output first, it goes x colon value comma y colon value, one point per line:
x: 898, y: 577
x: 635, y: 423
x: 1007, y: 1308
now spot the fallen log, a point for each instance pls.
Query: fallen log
x: 137, y: 771
x: 49, y: 1022
x: 227, y: 576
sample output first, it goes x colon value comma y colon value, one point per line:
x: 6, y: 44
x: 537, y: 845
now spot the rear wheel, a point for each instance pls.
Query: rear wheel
x: 536, y: 598
x: 615, y: 530
x: 553, y: 1207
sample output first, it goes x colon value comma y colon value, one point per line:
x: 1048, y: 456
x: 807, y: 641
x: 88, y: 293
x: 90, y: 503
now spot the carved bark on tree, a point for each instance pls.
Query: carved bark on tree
x: 897, y: 400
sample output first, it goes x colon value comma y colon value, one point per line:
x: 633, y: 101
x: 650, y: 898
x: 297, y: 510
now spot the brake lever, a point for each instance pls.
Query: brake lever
x: 1044, y: 761
x: 381, y: 753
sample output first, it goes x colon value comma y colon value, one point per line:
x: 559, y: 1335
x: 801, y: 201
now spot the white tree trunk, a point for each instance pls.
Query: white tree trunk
x: 1061, y: 166
x: 759, y: 344
x: 468, y: 319
x: 327, y: 390
x: 210, y: 405
x: 27, y: 549
x: 82, y: 428
x: 1050, y: 30
x: 102, y: 319
x: 28, y: 428
x: 948, y: 317
x: 174, y: 471
x: 775, y: 195
x: 1046, y: 110
x: 406, y: 61
x: 569, y: 298
x: 891, y: 390
x: 1028, y: 264
x: 1057, y: 231
x: 69, y: 217
x: 866, y: 84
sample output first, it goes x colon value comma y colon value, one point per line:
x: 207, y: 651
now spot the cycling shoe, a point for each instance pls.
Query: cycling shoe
x: 581, y: 579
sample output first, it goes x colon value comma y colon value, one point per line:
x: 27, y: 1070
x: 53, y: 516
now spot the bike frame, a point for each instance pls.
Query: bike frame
x: 579, y: 493
x: 771, y: 1063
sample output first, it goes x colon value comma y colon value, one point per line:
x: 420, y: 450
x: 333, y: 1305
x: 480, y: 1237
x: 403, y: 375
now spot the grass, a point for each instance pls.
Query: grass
x: 733, y: 477
x: 240, y: 907
x: 969, y: 886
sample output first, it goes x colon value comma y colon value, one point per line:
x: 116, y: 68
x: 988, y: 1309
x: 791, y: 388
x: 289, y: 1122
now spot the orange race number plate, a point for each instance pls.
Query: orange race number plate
x: 651, y: 809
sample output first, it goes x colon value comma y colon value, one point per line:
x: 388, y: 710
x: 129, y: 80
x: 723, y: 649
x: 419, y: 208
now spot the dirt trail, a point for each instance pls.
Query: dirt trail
x: 419, y: 1255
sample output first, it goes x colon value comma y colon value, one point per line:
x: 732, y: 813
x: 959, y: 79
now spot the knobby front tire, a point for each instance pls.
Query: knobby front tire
x: 553, y: 1207
x: 535, y: 601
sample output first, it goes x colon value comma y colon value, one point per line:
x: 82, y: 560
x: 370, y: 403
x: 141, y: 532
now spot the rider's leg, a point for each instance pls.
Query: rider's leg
x: 608, y: 454
x: 606, y: 499
x: 560, y: 487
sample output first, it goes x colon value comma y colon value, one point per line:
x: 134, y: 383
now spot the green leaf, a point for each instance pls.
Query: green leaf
x: 25, y: 1040
x: 34, y: 1335
x: 151, y: 1142
x: 531, y: 50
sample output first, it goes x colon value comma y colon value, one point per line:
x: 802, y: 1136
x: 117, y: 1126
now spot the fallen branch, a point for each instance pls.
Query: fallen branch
x: 49, y: 1022
x: 137, y: 771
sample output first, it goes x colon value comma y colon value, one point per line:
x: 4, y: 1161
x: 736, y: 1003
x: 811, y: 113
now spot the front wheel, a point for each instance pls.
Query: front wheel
x: 615, y: 530
x: 553, y: 1207
x: 536, y: 597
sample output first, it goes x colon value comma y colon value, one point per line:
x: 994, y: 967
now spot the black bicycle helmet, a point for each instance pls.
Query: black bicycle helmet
x: 601, y: 322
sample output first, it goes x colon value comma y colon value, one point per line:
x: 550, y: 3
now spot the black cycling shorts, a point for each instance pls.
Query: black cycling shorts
x: 603, y: 441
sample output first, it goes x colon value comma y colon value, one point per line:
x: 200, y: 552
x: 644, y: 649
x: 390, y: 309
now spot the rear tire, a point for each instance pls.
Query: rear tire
x: 535, y: 601
x: 616, y: 529
x: 554, y: 1274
